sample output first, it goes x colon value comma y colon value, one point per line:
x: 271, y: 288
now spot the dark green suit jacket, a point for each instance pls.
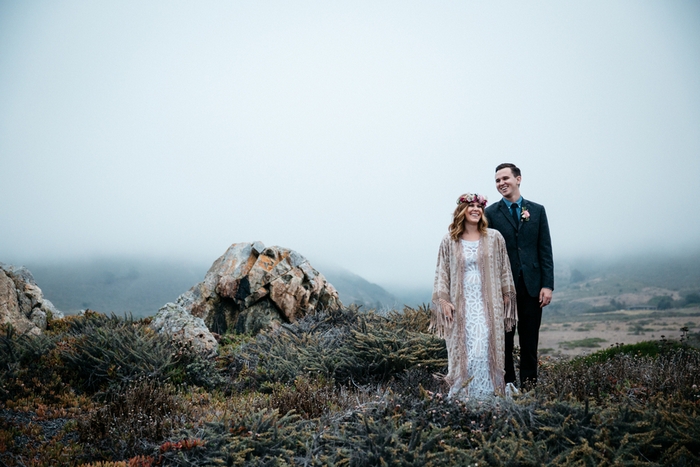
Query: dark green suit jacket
x: 528, y: 243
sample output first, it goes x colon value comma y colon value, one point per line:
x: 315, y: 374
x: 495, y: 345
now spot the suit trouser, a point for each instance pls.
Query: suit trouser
x: 529, y: 319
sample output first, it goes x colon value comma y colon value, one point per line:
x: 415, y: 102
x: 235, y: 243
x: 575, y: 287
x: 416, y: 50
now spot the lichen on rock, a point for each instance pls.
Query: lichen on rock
x: 251, y: 287
x: 22, y: 304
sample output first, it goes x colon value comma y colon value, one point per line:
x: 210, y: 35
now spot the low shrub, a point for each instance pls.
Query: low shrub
x: 260, y: 438
x: 132, y: 420
x: 641, y: 349
x: 26, y: 366
x: 588, y: 342
x: 339, y: 388
x: 191, y: 367
x: 637, y: 371
x: 100, y: 351
x: 310, y: 398
x: 345, y: 346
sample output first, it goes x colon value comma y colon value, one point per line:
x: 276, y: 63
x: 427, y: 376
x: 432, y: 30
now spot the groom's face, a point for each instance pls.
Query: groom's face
x: 507, y: 185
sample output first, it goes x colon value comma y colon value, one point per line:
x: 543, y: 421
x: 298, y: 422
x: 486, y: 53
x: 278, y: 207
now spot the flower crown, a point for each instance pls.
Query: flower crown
x: 473, y: 198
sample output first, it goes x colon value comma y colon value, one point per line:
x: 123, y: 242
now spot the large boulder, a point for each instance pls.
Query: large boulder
x: 22, y: 304
x: 252, y: 287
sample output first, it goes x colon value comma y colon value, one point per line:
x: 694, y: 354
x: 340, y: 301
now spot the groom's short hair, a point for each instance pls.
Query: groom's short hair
x: 513, y: 168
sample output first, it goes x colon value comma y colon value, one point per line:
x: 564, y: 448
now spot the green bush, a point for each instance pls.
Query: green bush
x: 640, y: 371
x: 345, y: 346
x: 26, y: 366
x: 102, y: 351
x: 98, y: 351
x: 641, y: 349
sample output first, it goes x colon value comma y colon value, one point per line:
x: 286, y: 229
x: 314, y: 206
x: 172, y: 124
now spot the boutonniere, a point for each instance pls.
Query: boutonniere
x: 525, y: 214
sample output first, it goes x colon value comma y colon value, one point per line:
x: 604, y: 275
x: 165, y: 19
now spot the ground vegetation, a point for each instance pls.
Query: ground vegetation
x: 345, y: 387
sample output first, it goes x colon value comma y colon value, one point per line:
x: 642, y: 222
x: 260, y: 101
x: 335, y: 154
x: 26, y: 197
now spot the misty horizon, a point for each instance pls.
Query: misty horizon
x: 343, y: 131
x: 141, y: 286
x: 198, y: 268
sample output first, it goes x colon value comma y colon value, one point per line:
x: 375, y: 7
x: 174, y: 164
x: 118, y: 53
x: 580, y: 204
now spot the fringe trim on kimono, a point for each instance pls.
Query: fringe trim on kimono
x: 496, y: 282
x: 511, y: 311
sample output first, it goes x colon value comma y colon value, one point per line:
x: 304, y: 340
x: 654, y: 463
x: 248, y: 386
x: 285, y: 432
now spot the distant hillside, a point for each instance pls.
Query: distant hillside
x: 141, y: 286
x: 121, y: 286
x: 354, y: 290
x: 680, y: 271
x: 413, y: 296
x: 675, y: 272
x: 584, y: 286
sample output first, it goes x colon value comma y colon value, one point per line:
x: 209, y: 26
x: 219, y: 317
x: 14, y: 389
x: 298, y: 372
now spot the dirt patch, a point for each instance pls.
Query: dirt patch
x: 570, y: 338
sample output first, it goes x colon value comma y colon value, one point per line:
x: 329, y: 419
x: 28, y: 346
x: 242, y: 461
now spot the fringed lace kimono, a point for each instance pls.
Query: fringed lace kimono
x: 474, y: 277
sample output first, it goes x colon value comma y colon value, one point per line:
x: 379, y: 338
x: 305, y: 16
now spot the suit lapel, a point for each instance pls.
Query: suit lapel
x: 506, y: 212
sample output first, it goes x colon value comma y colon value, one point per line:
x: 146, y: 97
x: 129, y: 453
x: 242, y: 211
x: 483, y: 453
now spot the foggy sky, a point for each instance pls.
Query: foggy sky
x: 343, y: 130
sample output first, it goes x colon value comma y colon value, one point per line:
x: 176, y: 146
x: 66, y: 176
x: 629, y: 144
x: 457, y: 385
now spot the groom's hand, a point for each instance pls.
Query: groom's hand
x: 545, y: 297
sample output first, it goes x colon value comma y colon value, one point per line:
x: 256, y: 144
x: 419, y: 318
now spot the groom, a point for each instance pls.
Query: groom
x: 524, y: 226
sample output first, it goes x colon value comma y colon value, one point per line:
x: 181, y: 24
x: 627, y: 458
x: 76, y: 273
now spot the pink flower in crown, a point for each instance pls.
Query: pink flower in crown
x: 473, y: 197
x: 525, y: 216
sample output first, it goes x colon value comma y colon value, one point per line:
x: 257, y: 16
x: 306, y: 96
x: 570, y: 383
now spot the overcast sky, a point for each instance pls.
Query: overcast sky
x: 343, y: 130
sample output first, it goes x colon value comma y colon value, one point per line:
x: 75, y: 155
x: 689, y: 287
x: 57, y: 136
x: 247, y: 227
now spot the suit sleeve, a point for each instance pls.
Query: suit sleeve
x: 544, y: 246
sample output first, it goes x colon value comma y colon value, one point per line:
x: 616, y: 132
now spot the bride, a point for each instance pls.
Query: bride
x: 473, y: 301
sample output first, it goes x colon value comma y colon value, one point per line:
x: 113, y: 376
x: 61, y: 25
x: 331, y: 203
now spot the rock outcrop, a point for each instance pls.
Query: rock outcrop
x: 252, y: 287
x: 22, y: 304
x: 176, y: 322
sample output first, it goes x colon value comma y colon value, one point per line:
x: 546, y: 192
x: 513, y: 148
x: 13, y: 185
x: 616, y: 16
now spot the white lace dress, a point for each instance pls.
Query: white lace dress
x: 477, y: 329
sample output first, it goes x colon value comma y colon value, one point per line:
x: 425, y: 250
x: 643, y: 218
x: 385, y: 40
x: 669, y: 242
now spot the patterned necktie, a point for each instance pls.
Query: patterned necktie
x: 514, y: 212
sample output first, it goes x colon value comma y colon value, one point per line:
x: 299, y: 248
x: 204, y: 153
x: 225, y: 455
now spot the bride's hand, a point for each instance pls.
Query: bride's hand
x: 447, y: 310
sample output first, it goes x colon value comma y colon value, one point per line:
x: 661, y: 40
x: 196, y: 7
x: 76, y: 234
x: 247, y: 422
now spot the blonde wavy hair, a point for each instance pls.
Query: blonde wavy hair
x: 460, y: 215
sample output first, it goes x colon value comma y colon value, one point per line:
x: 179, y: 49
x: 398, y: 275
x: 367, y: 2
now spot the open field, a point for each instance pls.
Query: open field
x: 588, y: 333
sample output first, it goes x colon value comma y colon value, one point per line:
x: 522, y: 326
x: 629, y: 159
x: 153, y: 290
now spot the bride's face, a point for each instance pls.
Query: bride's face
x: 474, y: 213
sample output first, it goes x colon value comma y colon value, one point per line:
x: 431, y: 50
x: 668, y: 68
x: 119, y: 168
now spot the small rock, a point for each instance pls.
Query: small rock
x: 178, y: 323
